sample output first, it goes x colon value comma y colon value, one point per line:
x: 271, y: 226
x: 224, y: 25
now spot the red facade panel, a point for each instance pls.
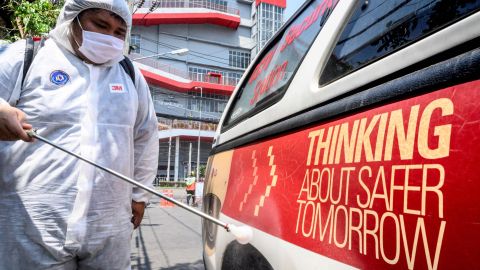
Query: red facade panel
x: 278, y: 3
x: 177, y: 86
x: 230, y: 21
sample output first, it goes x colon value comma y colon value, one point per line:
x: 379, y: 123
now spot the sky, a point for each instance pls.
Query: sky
x: 292, y: 6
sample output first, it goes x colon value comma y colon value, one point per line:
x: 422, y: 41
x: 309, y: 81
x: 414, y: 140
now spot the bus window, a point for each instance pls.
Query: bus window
x: 269, y: 77
x: 382, y: 27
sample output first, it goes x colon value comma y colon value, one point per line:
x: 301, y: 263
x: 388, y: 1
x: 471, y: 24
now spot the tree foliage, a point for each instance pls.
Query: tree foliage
x: 32, y: 18
x: 202, y: 170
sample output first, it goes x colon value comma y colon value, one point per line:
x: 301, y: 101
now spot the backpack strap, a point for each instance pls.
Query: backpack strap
x: 28, y: 57
x: 127, y: 65
x: 31, y: 50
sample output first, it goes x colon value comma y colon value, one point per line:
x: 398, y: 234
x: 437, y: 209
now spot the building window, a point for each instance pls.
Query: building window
x: 187, y: 105
x: 170, y: 3
x: 220, y: 5
x: 205, y: 75
x: 136, y: 43
x: 238, y: 59
x: 234, y: 78
x: 270, y: 19
x: 210, y: 103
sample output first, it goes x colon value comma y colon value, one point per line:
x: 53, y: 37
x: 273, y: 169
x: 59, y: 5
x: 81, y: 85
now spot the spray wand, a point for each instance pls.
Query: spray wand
x: 243, y: 234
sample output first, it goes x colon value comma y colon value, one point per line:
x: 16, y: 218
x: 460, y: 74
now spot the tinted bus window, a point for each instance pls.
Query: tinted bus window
x: 274, y: 69
x: 381, y: 27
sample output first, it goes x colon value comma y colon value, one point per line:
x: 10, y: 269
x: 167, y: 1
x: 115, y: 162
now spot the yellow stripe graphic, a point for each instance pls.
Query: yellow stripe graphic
x: 273, y: 168
x: 255, y: 178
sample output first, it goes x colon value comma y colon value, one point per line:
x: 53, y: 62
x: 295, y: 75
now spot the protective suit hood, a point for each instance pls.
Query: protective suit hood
x: 72, y: 8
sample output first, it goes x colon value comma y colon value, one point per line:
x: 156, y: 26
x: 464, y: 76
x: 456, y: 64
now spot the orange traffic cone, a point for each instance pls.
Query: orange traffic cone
x: 163, y: 202
x: 170, y: 194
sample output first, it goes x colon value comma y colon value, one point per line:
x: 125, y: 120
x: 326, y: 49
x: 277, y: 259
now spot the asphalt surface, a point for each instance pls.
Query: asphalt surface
x: 169, y: 238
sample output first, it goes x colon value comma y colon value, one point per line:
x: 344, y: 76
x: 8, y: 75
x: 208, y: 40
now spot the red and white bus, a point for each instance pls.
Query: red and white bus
x: 352, y: 142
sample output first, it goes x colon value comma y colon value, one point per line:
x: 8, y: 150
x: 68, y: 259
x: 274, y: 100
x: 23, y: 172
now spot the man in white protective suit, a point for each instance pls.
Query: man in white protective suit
x: 57, y: 212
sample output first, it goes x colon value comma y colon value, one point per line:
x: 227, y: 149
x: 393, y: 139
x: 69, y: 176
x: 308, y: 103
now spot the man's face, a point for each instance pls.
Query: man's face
x: 100, y: 21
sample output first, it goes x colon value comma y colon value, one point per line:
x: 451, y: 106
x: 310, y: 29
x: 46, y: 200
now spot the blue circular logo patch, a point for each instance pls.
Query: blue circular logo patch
x: 59, y: 77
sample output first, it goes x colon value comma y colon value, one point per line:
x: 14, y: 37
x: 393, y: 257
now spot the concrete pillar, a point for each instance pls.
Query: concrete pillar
x: 177, y: 156
x: 169, y: 154
x: 190, y: 160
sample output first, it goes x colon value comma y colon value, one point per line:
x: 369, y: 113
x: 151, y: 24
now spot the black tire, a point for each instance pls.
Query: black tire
x: 243, y: 257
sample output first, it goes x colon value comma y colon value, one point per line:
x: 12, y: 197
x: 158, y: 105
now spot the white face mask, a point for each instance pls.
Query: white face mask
x: 100, y: 48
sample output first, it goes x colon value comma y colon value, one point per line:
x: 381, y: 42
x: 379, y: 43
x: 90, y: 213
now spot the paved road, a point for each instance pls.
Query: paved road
x: 168, y: 239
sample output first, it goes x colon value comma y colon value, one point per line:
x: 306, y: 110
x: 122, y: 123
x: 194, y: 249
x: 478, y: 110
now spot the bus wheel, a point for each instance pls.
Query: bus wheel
x: 241, y: 257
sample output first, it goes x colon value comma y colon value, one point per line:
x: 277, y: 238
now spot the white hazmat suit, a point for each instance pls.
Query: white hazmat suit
x: 57, y: 212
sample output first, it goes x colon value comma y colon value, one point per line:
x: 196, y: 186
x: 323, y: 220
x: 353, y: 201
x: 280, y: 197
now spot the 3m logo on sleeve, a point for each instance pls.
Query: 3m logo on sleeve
x: 117, y: 88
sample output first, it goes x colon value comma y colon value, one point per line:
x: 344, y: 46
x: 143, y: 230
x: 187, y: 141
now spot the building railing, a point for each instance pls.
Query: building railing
x: 202, y: 77
x: 164, y: 124
x: 198, y: 77
x: 209, y: 4
x: 151, y: 62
